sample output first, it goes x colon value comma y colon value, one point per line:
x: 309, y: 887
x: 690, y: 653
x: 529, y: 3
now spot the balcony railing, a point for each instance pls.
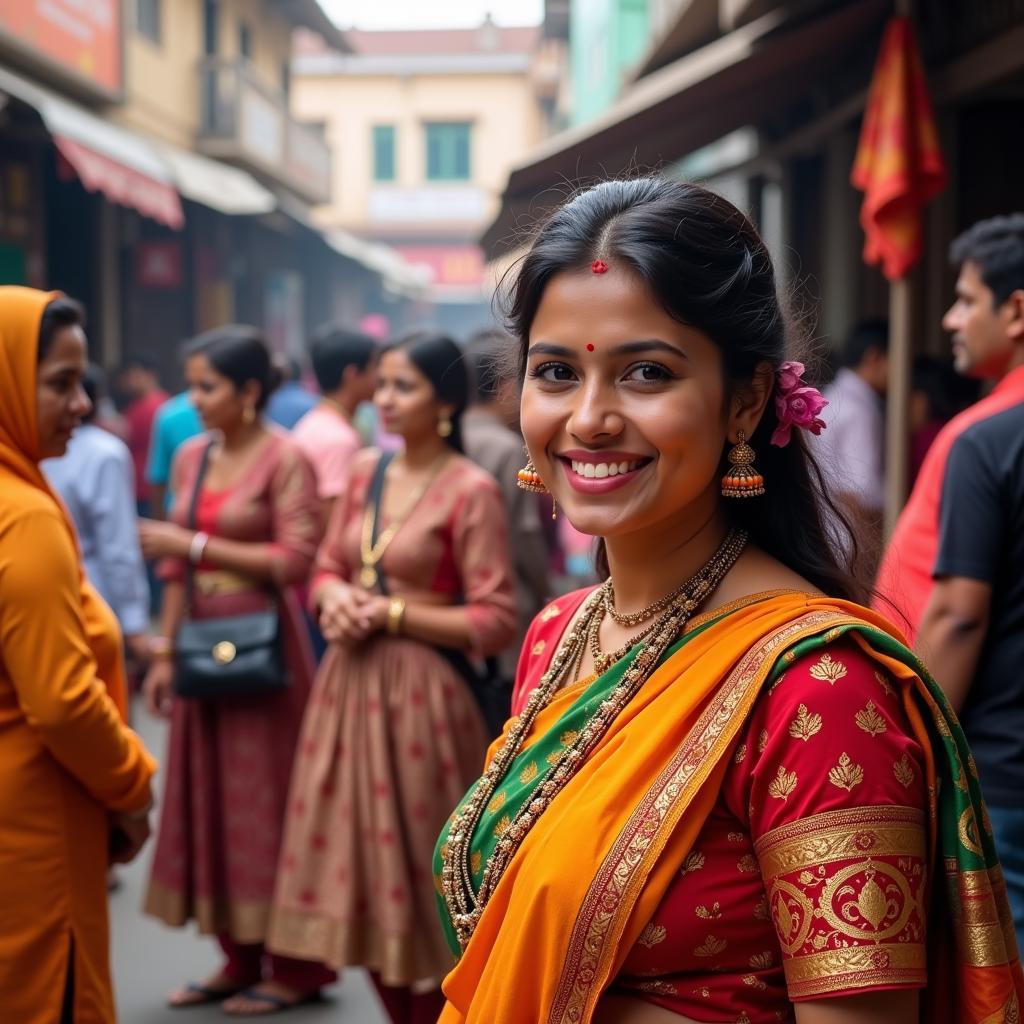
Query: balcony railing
x: 245, y: 121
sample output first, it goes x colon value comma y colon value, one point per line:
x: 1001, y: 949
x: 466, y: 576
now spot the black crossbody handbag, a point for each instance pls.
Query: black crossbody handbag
x: 234, y: 656
x: 492, y: 692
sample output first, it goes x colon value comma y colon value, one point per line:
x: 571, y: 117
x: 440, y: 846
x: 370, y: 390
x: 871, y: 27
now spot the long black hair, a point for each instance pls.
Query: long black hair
x: 238, y: 352
x: 441, y: 361
x: 707, y: 266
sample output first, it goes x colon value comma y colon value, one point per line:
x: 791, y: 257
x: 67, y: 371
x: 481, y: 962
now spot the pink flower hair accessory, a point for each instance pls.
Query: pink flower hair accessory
x: 797, y: 404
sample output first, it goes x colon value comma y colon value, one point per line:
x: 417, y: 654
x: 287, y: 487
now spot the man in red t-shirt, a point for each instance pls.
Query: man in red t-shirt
x: 987, y: 347
x: 139, y: 380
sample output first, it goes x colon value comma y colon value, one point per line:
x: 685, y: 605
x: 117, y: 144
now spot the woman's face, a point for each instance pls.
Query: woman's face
x: 623, y: 407
x: 61, y: 401
x: 220, y: 403
x: 405, y: 398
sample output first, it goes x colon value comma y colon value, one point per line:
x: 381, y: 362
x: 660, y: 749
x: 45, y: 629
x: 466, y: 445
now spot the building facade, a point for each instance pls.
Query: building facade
x: 151, y: 166
x: 424, y: 127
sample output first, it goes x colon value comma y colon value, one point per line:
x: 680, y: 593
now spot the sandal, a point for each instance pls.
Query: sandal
x: 203, y: 995
x: 273, y: 1004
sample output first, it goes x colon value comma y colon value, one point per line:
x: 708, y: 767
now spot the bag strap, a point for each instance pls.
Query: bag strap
x: 190, y: 522
x: 374, y: 498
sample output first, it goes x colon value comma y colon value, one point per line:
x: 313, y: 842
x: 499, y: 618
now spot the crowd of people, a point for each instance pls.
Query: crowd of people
x: 725, y: 779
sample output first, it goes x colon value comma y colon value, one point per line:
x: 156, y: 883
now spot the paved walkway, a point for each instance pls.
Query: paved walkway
x: 149, y: 960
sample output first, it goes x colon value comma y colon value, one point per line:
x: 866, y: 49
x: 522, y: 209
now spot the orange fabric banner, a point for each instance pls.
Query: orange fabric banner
x: 899, y: 165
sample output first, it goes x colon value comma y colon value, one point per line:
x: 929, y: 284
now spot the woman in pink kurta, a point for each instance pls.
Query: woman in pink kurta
x: 392, y: 733
x: 251, y: 545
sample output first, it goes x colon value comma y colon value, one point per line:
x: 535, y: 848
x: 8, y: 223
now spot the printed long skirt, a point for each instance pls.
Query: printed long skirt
x: 226, y: 779
x: 392, y: 739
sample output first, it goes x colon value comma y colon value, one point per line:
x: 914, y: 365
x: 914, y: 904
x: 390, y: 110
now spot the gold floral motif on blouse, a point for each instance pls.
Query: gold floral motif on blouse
x: 495, y: 805
x: 805, y: 725
x: 551, y: 612
x: 538, y: 648
x: 709, y: 915
x: 870, y: 720
x: 710, y: 947
x: 903, y: 769
x: 846, y: 774
x: 741, y: 753
x: 783, y: 785
x: 528, y: 774
x: 884, y: 684
x: 652, y: 935
x: 762, y: 741
x: 828, y: 669
x: 694, y: 862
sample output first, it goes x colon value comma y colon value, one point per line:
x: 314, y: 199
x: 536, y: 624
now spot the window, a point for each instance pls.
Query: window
x: 244, y: 41
x: 448, y: 151
x: 383, y: 152
x: 147, y: 19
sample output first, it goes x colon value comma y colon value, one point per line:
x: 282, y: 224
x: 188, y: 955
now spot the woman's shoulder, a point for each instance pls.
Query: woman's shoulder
x: 468, y: 477
x: 191, y: 451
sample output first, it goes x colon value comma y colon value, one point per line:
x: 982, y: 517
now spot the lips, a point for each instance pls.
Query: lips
x: 601, y: 472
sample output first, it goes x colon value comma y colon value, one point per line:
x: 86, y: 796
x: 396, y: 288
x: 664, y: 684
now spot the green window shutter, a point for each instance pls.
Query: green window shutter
x: 448, y: 151
x: 383, y: 152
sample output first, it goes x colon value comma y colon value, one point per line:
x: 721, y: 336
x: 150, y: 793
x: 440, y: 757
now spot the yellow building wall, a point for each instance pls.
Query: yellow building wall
x: 501, y: 108
x: 162, y: 81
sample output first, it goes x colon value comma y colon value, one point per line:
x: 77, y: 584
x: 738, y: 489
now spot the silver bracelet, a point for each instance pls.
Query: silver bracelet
x: 198, y: 546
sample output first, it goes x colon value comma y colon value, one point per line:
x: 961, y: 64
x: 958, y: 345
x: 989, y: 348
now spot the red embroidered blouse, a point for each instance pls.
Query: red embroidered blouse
x: 808, y: 878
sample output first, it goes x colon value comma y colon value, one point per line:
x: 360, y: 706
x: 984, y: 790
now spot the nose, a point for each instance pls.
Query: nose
x: 594, y: 416
x: 951, y: 320
x: 81, y: 404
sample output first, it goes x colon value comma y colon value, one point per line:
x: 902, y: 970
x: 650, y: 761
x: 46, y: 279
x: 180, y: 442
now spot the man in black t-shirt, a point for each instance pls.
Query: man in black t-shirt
x: 972, y: 631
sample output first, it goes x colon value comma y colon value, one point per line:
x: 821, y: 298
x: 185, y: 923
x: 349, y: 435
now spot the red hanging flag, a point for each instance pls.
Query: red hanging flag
x: 899, y: 165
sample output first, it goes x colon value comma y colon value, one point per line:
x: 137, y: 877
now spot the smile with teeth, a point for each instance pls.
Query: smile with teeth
x: 600, y: 470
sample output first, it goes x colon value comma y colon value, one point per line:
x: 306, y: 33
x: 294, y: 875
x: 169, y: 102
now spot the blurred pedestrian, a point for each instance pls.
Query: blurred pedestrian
x: 175, y: 423
x: 292, y: 400
x: 74, y: 779
x: 990, y: 256
x: 413, y: 579
x: 95, y: 480
x: 851, y: 450
x: 972, y: 628
x: 242, y: 535
x: 140, y: 380
x: 492, y: 445
x: 344, y: 362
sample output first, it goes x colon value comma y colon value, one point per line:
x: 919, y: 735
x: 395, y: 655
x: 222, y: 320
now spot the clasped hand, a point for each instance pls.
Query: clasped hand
x: 349, y: 614
x: 163, y: 540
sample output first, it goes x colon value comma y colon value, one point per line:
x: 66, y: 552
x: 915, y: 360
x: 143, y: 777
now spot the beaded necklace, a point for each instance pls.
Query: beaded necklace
x: 464, y: 904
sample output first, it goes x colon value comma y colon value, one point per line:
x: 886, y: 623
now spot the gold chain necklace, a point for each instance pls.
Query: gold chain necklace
x: 371, y: 553
x: 465, y: 906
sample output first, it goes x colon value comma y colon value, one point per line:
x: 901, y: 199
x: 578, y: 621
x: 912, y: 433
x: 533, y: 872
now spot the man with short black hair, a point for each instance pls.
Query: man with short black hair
x: 291, y: 401
x: 972, y: 627
x: 345, y: 363
x: 493, y: 446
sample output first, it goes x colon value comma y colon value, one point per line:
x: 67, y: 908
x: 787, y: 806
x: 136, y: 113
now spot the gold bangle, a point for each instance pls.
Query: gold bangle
x: 396, y: 613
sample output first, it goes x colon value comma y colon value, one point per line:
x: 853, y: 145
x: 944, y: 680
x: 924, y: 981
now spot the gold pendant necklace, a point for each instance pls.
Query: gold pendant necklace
x: 466, y: 904
x: 370, y: 551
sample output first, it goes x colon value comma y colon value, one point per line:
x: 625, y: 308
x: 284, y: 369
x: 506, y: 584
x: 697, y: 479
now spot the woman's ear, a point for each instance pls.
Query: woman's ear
x: 250, y: 394
x: 750, y: 401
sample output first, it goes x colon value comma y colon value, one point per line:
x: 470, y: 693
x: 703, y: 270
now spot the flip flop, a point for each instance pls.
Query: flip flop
x: 205, y: 994
x: 274, y: 1004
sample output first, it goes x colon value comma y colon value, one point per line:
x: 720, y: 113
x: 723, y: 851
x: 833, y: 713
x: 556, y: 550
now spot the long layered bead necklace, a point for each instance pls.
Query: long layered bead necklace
x: 466, y: 906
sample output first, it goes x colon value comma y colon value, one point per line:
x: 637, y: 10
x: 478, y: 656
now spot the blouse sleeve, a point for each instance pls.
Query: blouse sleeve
x: 47, y: 656
x: 480, y: 548
x: 836, y: 796
x: 296, y: 518
x: 173, y: 569
x: 331, y: 560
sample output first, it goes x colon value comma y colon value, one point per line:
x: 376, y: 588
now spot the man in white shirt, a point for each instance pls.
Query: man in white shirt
x: 851, y: 449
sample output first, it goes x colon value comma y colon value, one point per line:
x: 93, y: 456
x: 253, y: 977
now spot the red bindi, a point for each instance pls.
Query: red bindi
x: 599, y: 267
x: 590, y: 347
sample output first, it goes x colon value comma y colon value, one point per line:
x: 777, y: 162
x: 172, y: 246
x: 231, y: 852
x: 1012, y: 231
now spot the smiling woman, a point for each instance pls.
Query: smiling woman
x: 711, y: 802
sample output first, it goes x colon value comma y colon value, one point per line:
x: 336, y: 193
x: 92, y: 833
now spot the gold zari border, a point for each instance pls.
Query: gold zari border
x: 887, y: 830
x: 855, y: 967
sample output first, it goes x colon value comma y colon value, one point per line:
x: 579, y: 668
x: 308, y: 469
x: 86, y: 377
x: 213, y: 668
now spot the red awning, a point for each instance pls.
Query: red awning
x: 122, y: 184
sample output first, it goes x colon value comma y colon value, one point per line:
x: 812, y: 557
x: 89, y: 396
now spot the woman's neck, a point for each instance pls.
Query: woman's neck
x: 419, y: 453
x: 649, y: 564
x: 241, y: 437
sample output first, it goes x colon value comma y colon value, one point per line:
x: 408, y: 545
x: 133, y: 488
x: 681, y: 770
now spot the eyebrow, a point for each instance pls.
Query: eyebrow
x: 629, y: 348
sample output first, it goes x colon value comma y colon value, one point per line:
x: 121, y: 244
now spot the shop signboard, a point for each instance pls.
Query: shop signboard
x: 78, y: 40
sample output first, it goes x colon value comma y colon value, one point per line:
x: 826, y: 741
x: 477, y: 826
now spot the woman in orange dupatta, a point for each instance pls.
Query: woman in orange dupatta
x: 729, y: 792
x: 72, y: 774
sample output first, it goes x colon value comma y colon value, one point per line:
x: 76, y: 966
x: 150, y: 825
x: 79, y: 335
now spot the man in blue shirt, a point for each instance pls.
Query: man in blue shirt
x: 291, y: 401
x: 95, y: 479
x: 176, y: 421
